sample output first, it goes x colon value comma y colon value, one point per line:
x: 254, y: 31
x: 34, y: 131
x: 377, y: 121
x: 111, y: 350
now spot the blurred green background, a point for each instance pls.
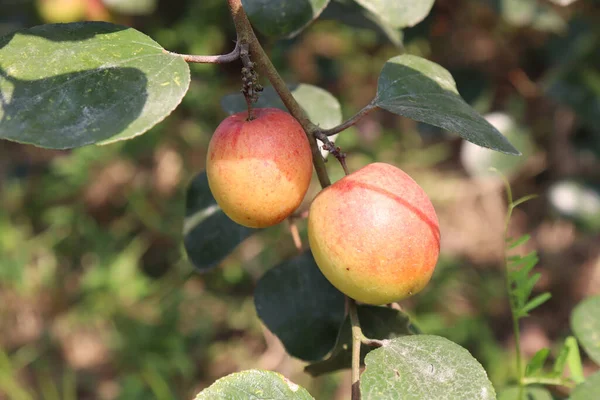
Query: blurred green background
x: 98, y: 300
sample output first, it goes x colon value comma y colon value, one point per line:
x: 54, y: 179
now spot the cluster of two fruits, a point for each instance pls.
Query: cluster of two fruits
x: 374, y: 234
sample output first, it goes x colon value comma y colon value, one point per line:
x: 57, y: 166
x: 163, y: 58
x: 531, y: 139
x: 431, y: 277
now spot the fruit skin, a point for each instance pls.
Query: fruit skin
x: 375, y: 234
x: 259, y: 170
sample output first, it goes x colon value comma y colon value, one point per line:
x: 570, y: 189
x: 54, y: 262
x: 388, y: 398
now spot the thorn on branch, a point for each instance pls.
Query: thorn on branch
x: 334, y: 150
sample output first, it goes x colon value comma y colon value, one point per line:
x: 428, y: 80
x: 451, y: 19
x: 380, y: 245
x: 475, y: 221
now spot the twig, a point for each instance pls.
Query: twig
x: 336, y: 151
x: 357, y: 336
x: 351, y: 121
x: 246, y: 34
x: 220, y: 59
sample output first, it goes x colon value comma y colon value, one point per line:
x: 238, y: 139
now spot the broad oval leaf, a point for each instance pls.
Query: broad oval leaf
x: 376, y: 323
x: 321, y: 106
x: 352, y: 14
x: 587, y: 390
x: 254, y: 384
x: 417, y: 88
x: 585, y: 322
x: 208, y: 234
x: 71, y: 85
x: 531, y: 393
x: 299, y: 305
x: 423, y: 367
x: 283, y: 18
x: 399, y: 13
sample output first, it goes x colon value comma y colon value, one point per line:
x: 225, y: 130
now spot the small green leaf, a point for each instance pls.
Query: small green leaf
x: 283, y: 18
x: 424, y: 91
x: 513, y: 243
x: 254, y: 385
x: 209, y: 235
x: 585, y: 322
x: 587, y: 390
x: 560, y: 362
x: 71, y: 85
x: 523, y: 199
x: 423, y: 367
x: 537, y: 362
x: 536, y: 302
x: 531, y: 393
x: 376, y: 323
x: 398, y: 13
x: 574, y: 360
x: 299, y: 305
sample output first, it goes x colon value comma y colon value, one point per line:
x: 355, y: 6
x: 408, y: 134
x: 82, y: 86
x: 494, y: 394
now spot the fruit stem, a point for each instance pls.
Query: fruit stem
x: 220, y: 59
x: 350, y: 122
x: 246, y: 35
x: 357, y: 337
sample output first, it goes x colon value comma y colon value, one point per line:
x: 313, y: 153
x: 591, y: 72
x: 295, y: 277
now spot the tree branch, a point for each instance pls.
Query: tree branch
x: 350, y: 122
x: 357, y: 336
x: 246, y: 35
x: 220, y: 59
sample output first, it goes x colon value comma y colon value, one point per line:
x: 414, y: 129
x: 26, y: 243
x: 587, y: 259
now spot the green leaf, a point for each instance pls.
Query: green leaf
x: 537, y: 362
x: 416, y: 88
x: 513, y: 243
x: 532, y: 13
x: 299, y: 305
x: 531, y: 393
x: 560, y: 362
x: 536, y: 302
x: 478, y: 161
x: 321, y: 106
x: 423, y: 367
x: 585, y: 322
x: 283, y: 18
x: 587, y: 390
x: 209, y: 235
x: 399, y: 13
x: 351, y: 14
x: 254, y: 385
x: 376, y: 323
x: 71, y: 85
x: 574, y: 360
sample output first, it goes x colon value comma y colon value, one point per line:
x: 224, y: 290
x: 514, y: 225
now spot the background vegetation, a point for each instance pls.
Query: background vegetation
x: 98, y: 301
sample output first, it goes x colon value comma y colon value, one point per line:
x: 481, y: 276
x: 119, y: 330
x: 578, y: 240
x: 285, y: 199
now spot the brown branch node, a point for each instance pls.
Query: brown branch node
x: 334, y: 150
x: 251, y: 86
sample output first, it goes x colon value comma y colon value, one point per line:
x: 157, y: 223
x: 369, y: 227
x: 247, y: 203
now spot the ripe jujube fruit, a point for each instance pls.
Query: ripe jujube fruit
x: 259, y: 170
x: 375, y: 234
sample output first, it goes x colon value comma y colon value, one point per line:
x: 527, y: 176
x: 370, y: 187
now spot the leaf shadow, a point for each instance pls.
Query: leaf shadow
x: 73, y: 109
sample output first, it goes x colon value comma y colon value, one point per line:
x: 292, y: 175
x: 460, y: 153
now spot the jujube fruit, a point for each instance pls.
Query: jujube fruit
x: 259, y: 170
x: 375, y: 234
